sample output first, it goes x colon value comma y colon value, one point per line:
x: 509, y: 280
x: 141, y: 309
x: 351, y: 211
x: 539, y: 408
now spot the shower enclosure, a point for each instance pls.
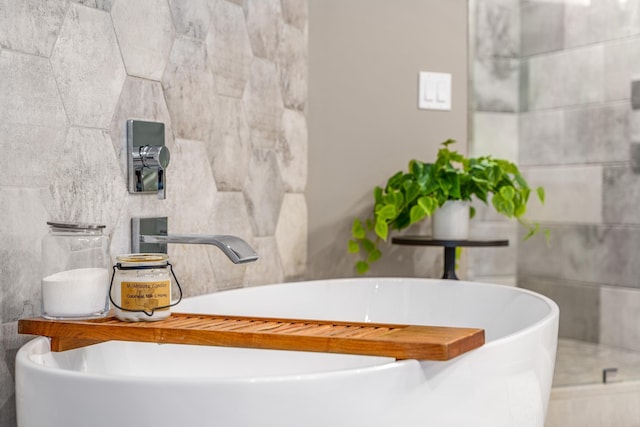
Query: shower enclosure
x: 555, y: 85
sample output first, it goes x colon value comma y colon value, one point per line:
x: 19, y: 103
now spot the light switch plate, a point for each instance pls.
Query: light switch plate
x: 434, y: 91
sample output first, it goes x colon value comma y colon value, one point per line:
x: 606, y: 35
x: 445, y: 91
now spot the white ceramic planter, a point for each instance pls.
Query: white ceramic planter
x: 451, y: 221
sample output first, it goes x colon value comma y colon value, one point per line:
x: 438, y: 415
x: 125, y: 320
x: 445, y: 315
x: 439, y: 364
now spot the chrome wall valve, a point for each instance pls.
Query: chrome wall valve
x: 148, y: 157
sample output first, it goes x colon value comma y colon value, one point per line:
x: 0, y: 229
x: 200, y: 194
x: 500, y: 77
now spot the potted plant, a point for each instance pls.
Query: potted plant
x: 410, y: 197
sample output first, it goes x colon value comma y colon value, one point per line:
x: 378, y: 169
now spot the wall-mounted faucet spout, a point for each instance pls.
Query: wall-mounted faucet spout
x: 234, y: 247
x: 150, y: 235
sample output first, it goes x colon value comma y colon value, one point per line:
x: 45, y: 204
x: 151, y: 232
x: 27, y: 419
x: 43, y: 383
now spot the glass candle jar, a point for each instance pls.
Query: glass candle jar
x: 141, y: 287
x: 75, y: 275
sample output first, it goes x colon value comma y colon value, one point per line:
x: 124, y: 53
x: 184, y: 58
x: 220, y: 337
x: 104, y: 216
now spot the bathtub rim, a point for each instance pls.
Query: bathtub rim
x: 23, y: 355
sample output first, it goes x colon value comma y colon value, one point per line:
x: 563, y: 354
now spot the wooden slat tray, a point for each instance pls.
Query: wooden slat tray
x: 374, y: 339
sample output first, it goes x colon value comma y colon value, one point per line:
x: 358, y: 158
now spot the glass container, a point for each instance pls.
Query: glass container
x: 75, y: 275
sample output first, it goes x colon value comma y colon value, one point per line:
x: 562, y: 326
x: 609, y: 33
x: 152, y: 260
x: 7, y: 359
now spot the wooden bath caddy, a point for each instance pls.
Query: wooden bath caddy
x: 373, y: 339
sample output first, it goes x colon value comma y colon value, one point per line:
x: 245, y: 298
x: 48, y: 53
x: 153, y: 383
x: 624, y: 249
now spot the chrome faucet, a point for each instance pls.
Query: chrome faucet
x: 149, y: 235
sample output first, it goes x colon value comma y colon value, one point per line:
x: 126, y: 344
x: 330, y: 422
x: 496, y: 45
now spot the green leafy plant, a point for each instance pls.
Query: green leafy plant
x: 409, y: 197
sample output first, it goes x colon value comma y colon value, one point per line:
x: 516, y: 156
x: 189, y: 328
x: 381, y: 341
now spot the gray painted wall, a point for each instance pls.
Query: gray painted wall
x: 364, y: 124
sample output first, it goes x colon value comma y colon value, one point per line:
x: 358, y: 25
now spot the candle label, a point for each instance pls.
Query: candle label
x: 145, y: 295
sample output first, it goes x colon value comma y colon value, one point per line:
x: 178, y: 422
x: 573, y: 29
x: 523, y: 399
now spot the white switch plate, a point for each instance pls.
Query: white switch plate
x: 434, y: 91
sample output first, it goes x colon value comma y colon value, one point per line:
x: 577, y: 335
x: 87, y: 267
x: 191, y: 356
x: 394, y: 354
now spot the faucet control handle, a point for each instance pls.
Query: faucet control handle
x: 152, y: 156
x: 148, y: 157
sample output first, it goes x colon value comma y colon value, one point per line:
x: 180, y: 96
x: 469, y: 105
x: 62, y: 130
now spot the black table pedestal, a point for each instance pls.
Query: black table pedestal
x: 449, y: 263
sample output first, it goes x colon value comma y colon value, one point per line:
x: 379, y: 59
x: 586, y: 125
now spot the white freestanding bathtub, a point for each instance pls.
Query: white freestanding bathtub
x: 505, y: 383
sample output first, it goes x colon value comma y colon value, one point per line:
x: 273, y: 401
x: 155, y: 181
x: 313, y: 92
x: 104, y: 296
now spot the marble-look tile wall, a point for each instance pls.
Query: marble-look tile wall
x: 494, y: 48
x: 229, y: 80
x: 576, y: 137
x: 552, y: 87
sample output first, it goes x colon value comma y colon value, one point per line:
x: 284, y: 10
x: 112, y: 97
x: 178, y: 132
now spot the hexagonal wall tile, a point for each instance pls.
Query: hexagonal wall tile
x: 29, y: 153
x: 229, y: 149
x: 28, y: 91
x: 190, y: 200
x: 191, y: 18
x: 268, y: 268
x: 292, y: 151
x: 229, y: 48
x: 263, y: 104
x: 22, y: 228
x: 33, y: 124
x: 191, y: 189
x: 189, y: 89
x: 193, y: 270
x: 263, y: 192
x: 87, y: 153
x: 296, y: 13
x: 229, y: 216
x: 291, y: 234
x: 134, y: 205
x: 140, y: 99
x: 88, y: 68
x: 98, y: 4
x: 31, y: 26
x: 7, y: 391
x: 264, y: 19
x: 145, y: 48
x: 292, y: 65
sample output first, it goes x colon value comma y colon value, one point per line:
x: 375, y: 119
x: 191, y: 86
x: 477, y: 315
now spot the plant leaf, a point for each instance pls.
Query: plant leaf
x: 416, y: 167
x: 449, y: 142
x: 353, y: 247
x: 455, y: 187
x: 507, y: 192
x: 357, y: 230
x: 509, y: 208
x: 429, y: 204
x: 402, y: 221
x: 382, y: 228
x: 370, y: 224
x: 386, y: 212
x: 521, y: 181
x: 362, y: 267
x: 368, y: 245
x: 502, y: 205
x: 541, y: 194
x: 377, y: 195
x: 412, y: 190
x: 417, y: 213
x: 395, y: 180
x: 374, y: 256
x: 533, y: 229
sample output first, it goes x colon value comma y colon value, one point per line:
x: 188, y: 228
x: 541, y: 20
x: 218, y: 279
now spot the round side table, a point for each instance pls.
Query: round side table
x: 449, y: 248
